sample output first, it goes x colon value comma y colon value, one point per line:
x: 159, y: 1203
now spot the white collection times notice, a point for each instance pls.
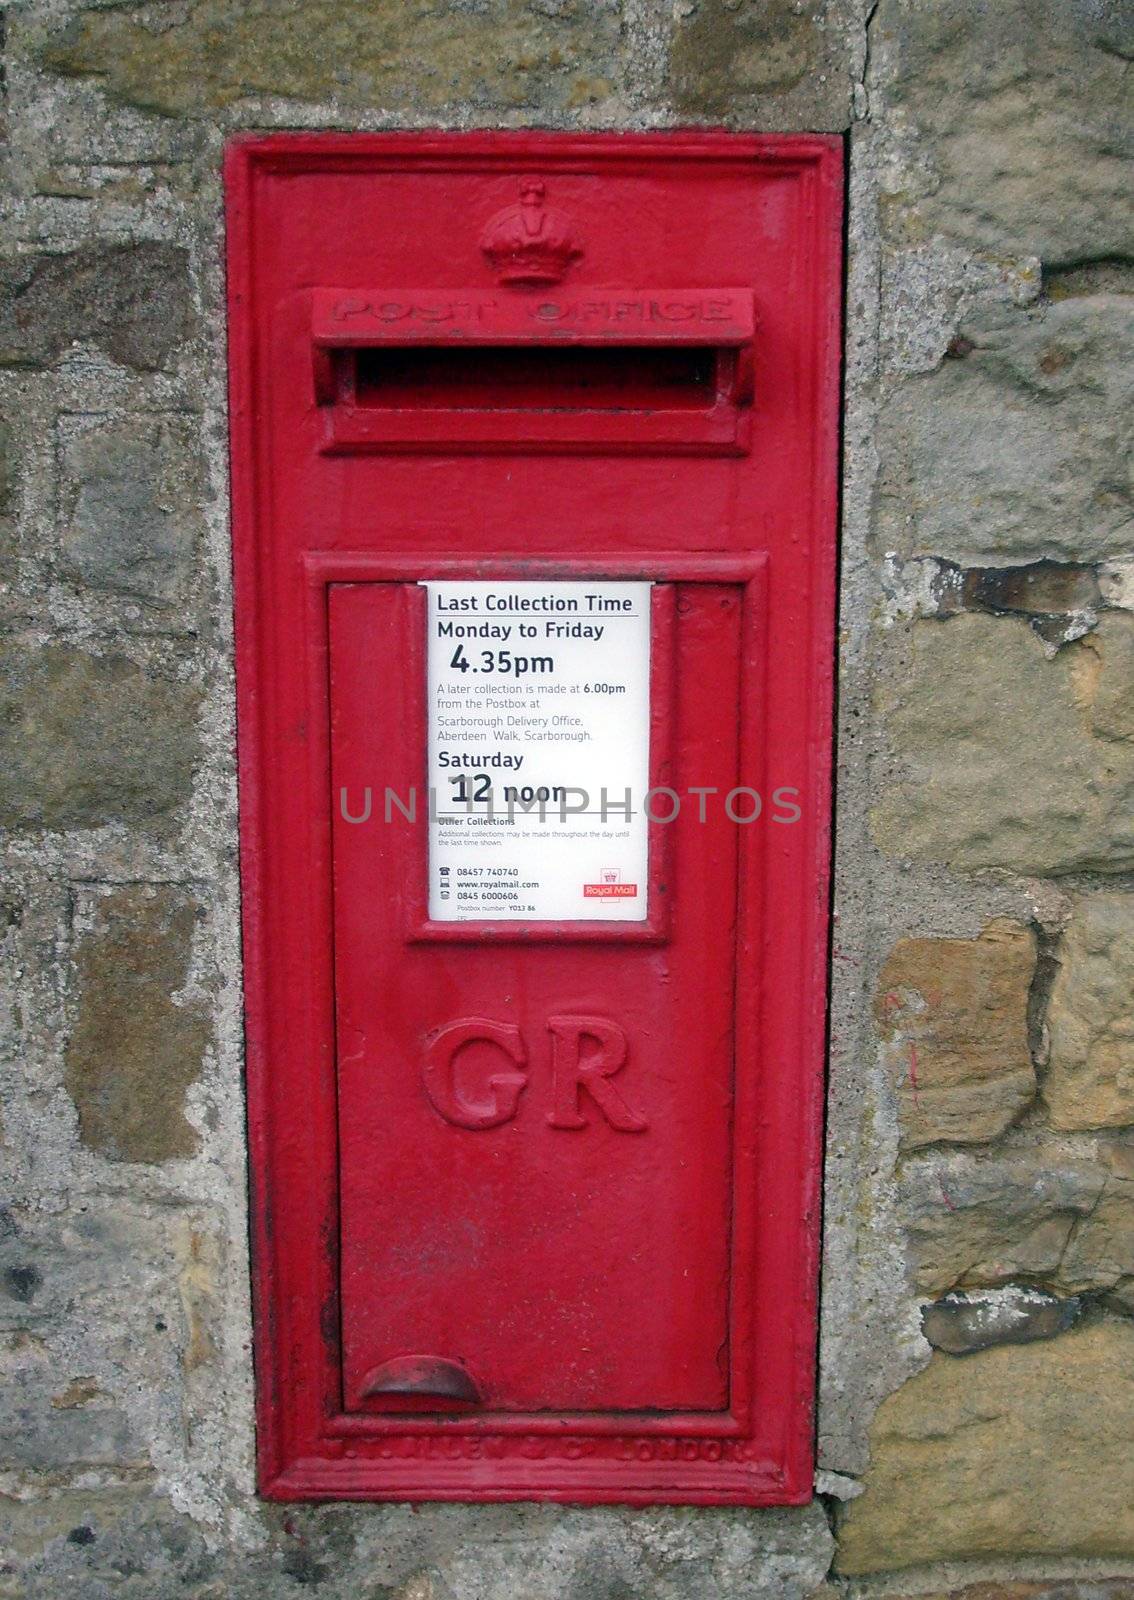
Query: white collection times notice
x: 539, y: 751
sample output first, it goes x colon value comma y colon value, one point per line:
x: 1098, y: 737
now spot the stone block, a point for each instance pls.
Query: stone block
x: 496, y: 55
x: 984, y: 1220
x: 1021, y: 115
x: 1100, y: 1252
x: 1024, y: 448
x: 131, y: 300
x: 953, y: 1013
x: 960, y: 1323
x: 38, y: 1433
x: 1040, y: 588
x: 1089, y: 1082
x: 7, y: 469
x: 92, y: 1327
x: 91, y: 739
x: 1021, y: 1450
x: 1112, y: 691
x: 1027, y: 1589
x: 131, y: 490
x: 763, y: 63
x: 30, y: 1524
x: 1024, y: 1216
x: 92, y: 1542
x: 135, y: 1049
x: 1009, y: 756
x: 8, y: 479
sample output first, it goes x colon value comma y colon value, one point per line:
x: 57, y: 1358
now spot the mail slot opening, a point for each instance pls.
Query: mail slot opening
x: 580, y: 378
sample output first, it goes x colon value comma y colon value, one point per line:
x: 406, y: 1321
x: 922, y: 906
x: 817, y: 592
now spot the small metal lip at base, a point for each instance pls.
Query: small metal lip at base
x: 423, y: 1376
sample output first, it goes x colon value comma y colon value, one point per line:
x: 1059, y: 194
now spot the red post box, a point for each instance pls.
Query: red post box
x: 534, y: 482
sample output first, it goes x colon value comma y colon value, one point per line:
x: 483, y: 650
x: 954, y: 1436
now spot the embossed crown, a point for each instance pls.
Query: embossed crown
x: 530, y: 242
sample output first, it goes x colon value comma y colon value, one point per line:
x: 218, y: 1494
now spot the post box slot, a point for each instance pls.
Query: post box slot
x: 606, y: 372
x: 582, y: 378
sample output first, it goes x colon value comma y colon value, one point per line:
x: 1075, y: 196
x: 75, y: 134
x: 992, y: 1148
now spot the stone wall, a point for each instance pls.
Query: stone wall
x: 977, y: 1397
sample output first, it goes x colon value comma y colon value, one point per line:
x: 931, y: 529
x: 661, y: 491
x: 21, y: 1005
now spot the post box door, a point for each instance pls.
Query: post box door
x: 534, y: 1099
x: 536, y: 1172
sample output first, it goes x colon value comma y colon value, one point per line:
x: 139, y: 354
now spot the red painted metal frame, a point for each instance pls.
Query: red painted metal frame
x: 721, y: 1438
x: 308, y: 1447
x: 719, y: 429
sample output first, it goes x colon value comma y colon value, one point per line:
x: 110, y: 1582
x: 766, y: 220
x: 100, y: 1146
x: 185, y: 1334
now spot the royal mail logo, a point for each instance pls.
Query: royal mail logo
x: 610, y: 886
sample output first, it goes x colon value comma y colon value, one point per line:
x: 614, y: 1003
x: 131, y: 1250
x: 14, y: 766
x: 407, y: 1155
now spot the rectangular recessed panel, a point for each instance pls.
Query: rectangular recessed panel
x: 535, y: 1159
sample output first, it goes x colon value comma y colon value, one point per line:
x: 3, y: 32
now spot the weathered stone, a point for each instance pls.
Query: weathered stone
x: 1056, y: 1589
x: 7, y: 468
x: 1116, y: 583
x: 960, y: 1324
x: 669, y: 1558
x: 133, y: 301
x: 981, y: 1221
x: 1100, y: 1253
x: 962, y: 1458
x: 1024, y: 448
x: 131, y: 491
x: 1110, y: 676
x: 41, y: 1435
x: 198, y: 1282
x: 984, y: 1221
x: 1010, y: 757
x: 500, y: 54
x: 954, y: 1015
x: 27, y: 1527
x: 1104, y: 276
x: 7, y: 498
x: 1040, y: 588
x: 738, y: 59
x: 1089, y: 1081
x: 427, y: 1552
x: 78, y: 1392
x: 135, y: 1050
x: 91, y: 1349
x: 91, y: 739
x: 1023, y: 113
x: 21, y: 1280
